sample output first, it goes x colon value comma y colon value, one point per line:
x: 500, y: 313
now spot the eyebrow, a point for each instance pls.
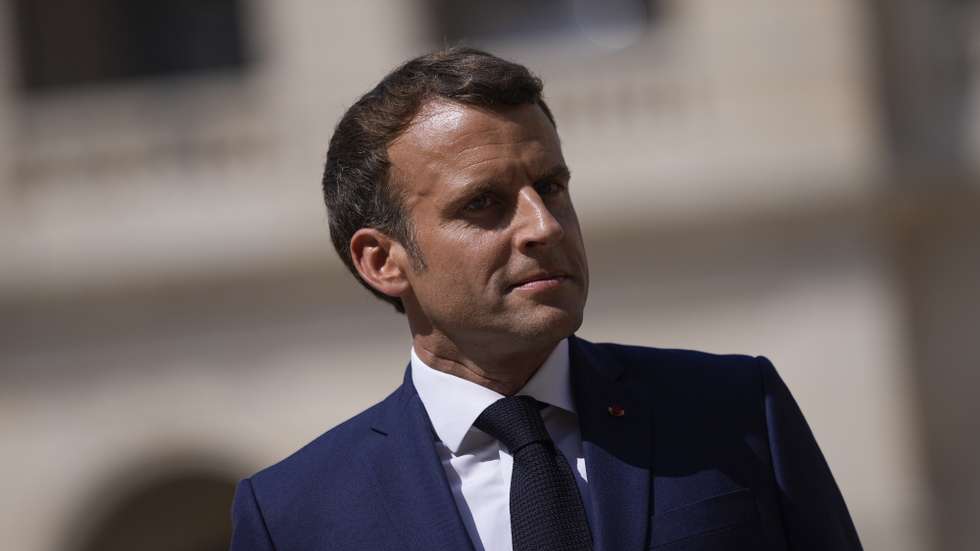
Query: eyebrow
x: 558, y: 172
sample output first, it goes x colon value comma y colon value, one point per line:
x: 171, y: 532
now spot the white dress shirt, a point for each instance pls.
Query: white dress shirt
x: 477, y: 466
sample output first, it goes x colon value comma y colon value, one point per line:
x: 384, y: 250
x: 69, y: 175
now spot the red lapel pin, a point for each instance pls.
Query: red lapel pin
x: 616, y: 410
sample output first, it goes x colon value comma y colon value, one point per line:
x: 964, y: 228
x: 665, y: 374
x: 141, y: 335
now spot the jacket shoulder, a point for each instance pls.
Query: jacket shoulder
x: 319, y: 481
x: 693, y: 383
x: 680, y: 364
x: 340, y: 441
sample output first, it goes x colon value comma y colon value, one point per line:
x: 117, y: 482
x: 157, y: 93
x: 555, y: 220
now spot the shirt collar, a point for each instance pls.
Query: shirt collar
x: 453, y: 403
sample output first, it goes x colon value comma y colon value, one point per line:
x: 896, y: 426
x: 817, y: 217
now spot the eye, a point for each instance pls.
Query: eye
x: 481, y: 202
x: 549, y: 187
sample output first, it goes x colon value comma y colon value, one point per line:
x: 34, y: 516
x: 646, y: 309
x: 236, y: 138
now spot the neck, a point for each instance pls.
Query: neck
x: 505, y: 373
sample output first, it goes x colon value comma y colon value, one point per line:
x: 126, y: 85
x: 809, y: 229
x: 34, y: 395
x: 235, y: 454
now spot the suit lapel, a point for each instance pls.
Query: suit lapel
x: 411, y: 481
x: 617, y: 448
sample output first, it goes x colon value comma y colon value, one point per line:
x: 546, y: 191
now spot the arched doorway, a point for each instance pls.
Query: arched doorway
x: 182, y: 510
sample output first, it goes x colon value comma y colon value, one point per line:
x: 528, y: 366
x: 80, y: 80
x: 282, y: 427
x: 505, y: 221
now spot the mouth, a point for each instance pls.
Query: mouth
x: 540, y: 281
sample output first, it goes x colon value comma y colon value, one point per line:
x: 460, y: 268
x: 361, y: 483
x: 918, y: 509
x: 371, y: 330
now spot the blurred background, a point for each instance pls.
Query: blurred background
x: 792, y: 178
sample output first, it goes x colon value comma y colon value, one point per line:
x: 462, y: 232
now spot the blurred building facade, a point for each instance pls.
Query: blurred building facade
x: 791, y: 178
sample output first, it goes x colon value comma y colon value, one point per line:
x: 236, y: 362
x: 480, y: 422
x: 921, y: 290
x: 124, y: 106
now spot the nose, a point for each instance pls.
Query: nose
x: 535, y: 223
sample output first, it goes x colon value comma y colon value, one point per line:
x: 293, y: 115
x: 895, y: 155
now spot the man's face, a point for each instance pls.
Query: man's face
x: 487, y: 193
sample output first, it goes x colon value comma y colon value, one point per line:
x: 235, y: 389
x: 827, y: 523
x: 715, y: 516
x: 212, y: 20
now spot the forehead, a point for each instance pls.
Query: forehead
x: 448, y: 143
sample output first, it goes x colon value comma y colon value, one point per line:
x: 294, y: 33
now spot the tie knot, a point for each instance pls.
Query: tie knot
x: 515, y: 421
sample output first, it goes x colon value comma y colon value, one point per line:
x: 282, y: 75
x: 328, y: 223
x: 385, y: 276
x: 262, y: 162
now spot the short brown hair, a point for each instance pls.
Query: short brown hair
x: 356, y: 184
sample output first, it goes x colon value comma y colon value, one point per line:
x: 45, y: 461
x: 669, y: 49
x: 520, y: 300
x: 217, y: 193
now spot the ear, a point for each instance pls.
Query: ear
x: 380, y: 260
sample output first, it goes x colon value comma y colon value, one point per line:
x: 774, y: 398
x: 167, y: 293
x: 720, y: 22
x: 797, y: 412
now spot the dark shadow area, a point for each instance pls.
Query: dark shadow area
x: 178, y: 511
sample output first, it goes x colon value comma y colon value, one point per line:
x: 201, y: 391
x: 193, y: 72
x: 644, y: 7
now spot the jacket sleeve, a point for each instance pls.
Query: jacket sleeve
x: 249, y: 532
x: 815, y: 516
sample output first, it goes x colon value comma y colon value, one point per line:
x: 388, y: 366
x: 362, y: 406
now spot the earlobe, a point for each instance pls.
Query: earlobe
x: 378, y: 259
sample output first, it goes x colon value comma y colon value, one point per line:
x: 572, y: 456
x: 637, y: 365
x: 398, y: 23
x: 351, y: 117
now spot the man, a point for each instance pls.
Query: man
x: 449, y: 198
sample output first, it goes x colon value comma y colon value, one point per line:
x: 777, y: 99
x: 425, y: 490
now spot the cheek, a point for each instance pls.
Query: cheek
x: 567, y: 217
x: 469, y: 253
x: 569, y: 221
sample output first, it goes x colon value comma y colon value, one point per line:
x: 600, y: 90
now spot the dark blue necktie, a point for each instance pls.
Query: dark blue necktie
x: 546, y: 511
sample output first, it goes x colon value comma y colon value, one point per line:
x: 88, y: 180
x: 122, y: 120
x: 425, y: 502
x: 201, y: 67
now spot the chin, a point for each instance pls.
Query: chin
x: 549, y: 323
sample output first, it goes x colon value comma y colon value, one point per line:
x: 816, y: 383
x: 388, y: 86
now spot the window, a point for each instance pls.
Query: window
x: 487, y: 21
x: 66, y: 43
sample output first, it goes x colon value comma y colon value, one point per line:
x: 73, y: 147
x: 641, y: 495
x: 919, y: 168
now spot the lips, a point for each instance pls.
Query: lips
x: 540, y: 278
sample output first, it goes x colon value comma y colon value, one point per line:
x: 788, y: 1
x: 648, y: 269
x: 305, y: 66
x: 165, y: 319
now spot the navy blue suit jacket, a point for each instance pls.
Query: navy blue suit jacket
x: 711, y: 454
